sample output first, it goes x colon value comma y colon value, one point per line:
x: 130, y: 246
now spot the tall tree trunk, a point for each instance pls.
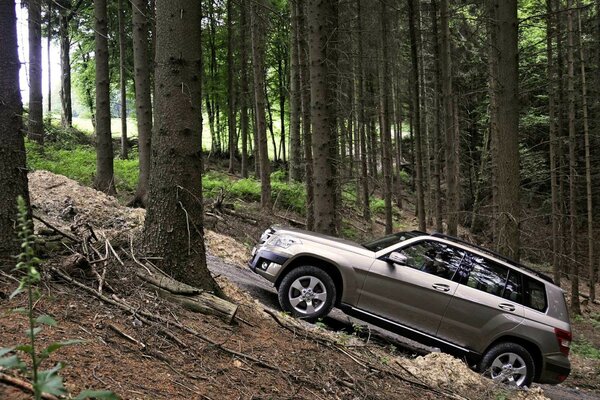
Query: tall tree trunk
x: 104, y: 180
x: 174, y: 222
x: 575, y: 306
x: 551, y: 75
x: 49, y: 63
x: 123, y: 82
x: 305, y: 91
x: 36, y: 107
x: 13, y: 170
x: 451, y: 142
x: 413, y: 16
x: 281, y: 79
x: 384, y: 87
x: 143, y: 102
x: 588, y: 164
x: 295, y: 98
x: 65, y: 66
x: 321, y: 18
x: 244, y: 87
x: 438, y: 102
x: 507, y: 140
x: 366, y: 209
x: 258, y: 54
x: 231, y: 100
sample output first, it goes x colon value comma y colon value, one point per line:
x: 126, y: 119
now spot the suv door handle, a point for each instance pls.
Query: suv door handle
x: 506, y: 307
x: 440, y: 286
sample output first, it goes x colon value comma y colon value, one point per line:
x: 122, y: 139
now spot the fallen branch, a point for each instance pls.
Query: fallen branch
x: 169, y: 284
x: 55, y: 229
x: 292, y: 220
x: 126, y: 336
x: 23, y: 385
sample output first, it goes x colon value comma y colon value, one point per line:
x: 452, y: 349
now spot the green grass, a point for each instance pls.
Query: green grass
x: 585, y: 349
x: 79, y: 163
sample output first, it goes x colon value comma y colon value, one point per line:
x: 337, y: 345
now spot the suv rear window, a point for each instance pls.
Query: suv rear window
x: 535, y: 294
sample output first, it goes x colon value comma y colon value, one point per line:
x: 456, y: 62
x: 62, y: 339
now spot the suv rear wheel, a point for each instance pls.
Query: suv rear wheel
x: 508, y: 363
x: 307, y: 292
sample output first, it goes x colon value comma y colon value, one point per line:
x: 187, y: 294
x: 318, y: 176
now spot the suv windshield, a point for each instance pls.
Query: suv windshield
x: 390, y: 240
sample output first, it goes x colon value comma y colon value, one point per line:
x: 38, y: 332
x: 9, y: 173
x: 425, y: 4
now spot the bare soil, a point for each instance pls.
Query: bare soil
x: 259, y: 356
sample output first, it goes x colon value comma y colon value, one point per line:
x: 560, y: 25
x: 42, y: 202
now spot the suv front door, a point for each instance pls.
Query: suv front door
x: 416, y: 289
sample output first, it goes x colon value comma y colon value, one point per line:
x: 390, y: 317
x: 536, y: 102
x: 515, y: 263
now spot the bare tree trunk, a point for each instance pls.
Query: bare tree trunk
x: 507, y: 140
x: 282, y: 88
x: 65, y: 66
x: 306, y: 120
x: 49, y: 63
x: 258, y: 53
x: 143, y: 102
x: 575, y: 306
x: 384, y: 76
x: 413, y: 16
x: 174, y: 222
x: 588, y: 164
x: 36, y: 107
x: 13, y: 170
x: 295, y: 98
x: 104, y: 180
x: 231, y: 100
x: 437, y: 158
x: 123, y: 82
x: 244, y: 89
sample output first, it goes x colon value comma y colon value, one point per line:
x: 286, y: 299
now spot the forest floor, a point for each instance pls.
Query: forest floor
x: 262, y: 354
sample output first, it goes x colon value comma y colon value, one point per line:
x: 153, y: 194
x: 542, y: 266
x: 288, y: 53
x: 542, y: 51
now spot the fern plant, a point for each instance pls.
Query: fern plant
x: 43, y: 381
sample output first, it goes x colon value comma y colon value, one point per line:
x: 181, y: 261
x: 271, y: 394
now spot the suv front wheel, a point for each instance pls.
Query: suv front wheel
x: 508, y: 363
x: 307, y: 292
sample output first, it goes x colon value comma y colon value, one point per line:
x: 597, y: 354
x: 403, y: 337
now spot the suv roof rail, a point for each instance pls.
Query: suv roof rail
x: 495, y: 254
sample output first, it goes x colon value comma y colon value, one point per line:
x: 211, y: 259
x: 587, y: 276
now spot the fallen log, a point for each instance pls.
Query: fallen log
x: 203, y: 302
x: 23, y: 385
x: 169, y: 284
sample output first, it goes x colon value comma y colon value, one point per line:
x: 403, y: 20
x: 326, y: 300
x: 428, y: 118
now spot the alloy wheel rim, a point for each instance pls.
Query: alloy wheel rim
x: 509, y: 368
x: 307, y: 294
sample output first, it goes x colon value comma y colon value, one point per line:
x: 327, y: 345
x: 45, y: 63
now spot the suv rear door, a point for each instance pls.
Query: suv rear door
x: 416, y: 292
x: 486, y: 303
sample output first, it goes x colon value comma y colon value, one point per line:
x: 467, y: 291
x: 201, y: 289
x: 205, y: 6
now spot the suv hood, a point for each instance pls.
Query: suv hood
x: 320, y: 238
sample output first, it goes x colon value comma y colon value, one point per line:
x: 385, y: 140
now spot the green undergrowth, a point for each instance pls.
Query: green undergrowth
x: 586, y: 349
x: 79, y: 163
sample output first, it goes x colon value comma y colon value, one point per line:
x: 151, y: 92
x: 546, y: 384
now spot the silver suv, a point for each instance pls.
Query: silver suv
x: 508, y: 321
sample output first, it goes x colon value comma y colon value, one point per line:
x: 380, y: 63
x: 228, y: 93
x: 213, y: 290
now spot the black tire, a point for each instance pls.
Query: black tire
x: 307, y: 292
x: 508, y: 363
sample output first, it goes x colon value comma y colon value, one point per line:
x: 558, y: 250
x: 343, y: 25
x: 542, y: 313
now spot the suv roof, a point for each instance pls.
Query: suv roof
x: 488, y: 251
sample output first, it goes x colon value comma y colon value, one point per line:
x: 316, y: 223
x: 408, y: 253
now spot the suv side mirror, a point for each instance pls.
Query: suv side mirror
x: 396, y: 258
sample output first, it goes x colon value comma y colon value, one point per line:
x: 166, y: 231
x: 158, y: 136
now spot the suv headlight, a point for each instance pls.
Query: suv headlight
x: 283, y: 241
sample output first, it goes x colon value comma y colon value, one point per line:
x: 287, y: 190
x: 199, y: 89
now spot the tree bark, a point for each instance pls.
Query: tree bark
x: 413, y: 16
x: 366, y: 209
x: 49, y: 63
x: 231, y: 100
x: 507, y: 139
x: 588, y: 164
x: 438, y: 103
x: 306, y: 113
x: 386, y: 117
x: 143, y: 101
x: 104, y: 180
x: 258, y: 54
x: 295, y: 98
x: 65, y: 66
x: 123, y: 82
x: 13, y: 170
x: 36, y: 106
x: 321, y: 18
x: 451, y: 141
x: 174, y: 221
x: 244, y: 88
x: 574, y: 273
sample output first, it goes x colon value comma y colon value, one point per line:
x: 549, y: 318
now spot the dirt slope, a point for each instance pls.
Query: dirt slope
x: 258, y: 356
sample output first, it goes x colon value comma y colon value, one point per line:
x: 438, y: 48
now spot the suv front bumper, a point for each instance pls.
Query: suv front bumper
x: 267, y: 263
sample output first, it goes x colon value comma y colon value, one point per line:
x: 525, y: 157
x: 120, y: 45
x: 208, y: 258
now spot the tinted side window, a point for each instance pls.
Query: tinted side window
x: 434, y: 258
x: 483, y: 274
x: 535, y: 294
x: 514, y: 287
